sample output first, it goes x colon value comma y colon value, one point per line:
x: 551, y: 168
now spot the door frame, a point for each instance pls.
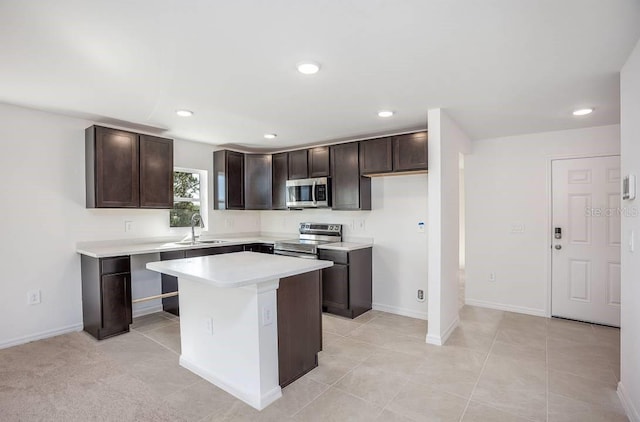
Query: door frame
x: 549, y: 218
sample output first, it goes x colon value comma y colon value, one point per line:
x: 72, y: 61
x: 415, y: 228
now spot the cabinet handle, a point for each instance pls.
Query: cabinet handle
x: 313, y: 193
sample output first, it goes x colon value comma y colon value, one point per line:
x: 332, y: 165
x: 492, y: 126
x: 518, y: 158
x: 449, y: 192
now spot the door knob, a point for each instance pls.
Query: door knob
x: 558, y: 247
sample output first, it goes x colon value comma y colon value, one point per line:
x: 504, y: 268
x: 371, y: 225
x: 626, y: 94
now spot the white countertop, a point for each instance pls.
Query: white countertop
x: 237, y: 269
x: 105, y: 249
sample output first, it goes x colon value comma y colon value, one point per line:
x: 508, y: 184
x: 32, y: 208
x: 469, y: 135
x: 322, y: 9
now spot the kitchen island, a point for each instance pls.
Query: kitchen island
x: 247, y: 320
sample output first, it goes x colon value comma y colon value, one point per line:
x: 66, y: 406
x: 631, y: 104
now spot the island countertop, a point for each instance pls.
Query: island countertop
x: 237, y: 269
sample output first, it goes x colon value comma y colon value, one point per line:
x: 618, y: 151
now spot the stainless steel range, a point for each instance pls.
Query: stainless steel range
x: 311, y: 235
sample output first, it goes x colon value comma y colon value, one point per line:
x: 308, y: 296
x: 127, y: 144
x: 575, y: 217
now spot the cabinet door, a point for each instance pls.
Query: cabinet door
x: 235, y: 180
x: 298, y: 165
x: 376, y: 156
x: 319, y: 162
x: 116, y: 169
x: 156, y: 172
x: 257, y: 181
x: 280, y: 173
x: 335, y: 286
x: 410, y: 152
x: 116, y: 303
x: 349, y: 190
x: 170, y: 284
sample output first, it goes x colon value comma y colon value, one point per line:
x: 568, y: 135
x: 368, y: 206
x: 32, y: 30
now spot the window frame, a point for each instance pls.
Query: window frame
x: 203, y: 175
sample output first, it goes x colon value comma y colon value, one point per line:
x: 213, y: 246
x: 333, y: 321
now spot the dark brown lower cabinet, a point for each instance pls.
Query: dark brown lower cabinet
x: 106, y: 295
x: 299, y: 325
x: 346, y: 287
x: 170, y: 283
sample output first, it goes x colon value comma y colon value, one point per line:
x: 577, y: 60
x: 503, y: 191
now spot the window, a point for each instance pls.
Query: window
x: 187, y: 186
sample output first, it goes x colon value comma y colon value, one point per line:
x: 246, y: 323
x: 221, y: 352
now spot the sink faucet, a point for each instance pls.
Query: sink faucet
x: 195, y: 219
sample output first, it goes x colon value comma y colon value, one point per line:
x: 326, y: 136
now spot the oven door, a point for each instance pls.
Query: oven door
x: 295, y: 254
x: 308, y: 193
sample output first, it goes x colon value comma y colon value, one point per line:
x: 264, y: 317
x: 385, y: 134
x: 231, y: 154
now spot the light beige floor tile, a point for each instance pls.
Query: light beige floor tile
x: 131, y: 348
x: 334, y: 405
x: 339, y: 325
x: 200, y: 400
x: 474, y: 313
x: 163, y: 376
x: 580, y: 350
x: 151, y: 322
x: 372, y: 384
x: 563, y: 409
x: 422, y: 403
x: 389, y: 416
x: 401, y: 325
x: 510, y: 350
x: 376, y: 335
x: 571, y: 330
x: 414, y: 346
x: 167, y: 335
x: 452, y: 369
x: 242, y: 412
x: 477, y: 412
x: 349, y: 348
x: 331, y: 368
x: 487, y: 328
x: 598, y: 369
x: 395, y: 362
x: 517, y: 337
x: 298, y: 394
x: 368, y: 316
x: 471, y: 339
x: 584, y: 389
x: 514, y: 386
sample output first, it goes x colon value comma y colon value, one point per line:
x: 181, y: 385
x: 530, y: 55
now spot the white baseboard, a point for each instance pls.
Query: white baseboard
x: 399, y: 311
x: 629, y: 408
x: 442, y: 338
x: 41, y: 335
x: 147, y: 310
x: 505, y: 307
x: 258, y: 403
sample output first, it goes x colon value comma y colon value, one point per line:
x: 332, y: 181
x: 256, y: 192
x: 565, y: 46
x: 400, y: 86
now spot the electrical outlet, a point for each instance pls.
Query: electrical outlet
x: 360, y: 224
x: 33, y: 297
x: 267, y: 315
x: 420, y: 295
x: 208, y: 323
x: 228, y: 223
x: 421, y: 226
x: 128, y: 226
x: 492, y: 277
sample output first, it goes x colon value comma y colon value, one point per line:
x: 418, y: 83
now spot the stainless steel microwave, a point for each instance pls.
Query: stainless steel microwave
x: 309, y: 193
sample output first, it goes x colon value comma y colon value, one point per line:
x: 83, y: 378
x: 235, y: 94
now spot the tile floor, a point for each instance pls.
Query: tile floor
x: 497, y: 366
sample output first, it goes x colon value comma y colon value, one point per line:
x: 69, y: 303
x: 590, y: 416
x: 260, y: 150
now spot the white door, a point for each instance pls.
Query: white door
x: 585, y: 283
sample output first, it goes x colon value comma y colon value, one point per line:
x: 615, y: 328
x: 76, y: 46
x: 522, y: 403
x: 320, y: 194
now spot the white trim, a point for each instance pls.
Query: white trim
x: 41, y: 335
x: 147, y: 310
x: 442, y: 339
x: 549, y: 216
x: 258, y: 403
x: 505, y: 307
x: 400, y: 311
x: 630, y: 410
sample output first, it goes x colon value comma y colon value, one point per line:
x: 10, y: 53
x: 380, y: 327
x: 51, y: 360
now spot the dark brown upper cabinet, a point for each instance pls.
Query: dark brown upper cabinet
x: 298, y: 164
x: 376, y: 156
x: 350, y: 190
x: 394, y: 154
x: 228, y: 180
x: 280, y: 173
x: 410, y: 152
x: 257, y: 181
x: 319, y: 162
x: 127, y: 170
x: 156, y: 172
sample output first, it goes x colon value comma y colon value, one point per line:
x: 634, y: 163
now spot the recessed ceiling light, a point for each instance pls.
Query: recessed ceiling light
x: 385, y: 113
x: 184, y: 113
x: 583, y: 112
x: 308, y: 68
x: 270, y: 135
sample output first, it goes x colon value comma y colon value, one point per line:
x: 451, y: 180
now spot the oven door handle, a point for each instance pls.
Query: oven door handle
x: 295, y: 254
x: 313, y: 193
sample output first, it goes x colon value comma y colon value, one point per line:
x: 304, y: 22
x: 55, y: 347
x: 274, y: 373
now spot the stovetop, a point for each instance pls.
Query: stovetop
x: 311, y: 235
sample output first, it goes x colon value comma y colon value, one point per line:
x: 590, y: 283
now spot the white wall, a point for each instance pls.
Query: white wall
x: 44, y: 215
x: 399, y: 252
x: 629, y: 387
x: 507, y: 184
x: 446, y: 142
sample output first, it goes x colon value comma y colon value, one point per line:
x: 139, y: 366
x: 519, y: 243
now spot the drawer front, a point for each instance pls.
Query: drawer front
x: 120, y: 264
x: 338, y: 257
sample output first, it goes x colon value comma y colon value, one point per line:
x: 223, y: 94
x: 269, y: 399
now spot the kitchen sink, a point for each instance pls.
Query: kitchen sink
x: 199, y: 242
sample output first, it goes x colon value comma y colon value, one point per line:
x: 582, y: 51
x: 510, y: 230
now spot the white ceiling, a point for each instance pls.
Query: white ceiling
x: 500, y: 67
